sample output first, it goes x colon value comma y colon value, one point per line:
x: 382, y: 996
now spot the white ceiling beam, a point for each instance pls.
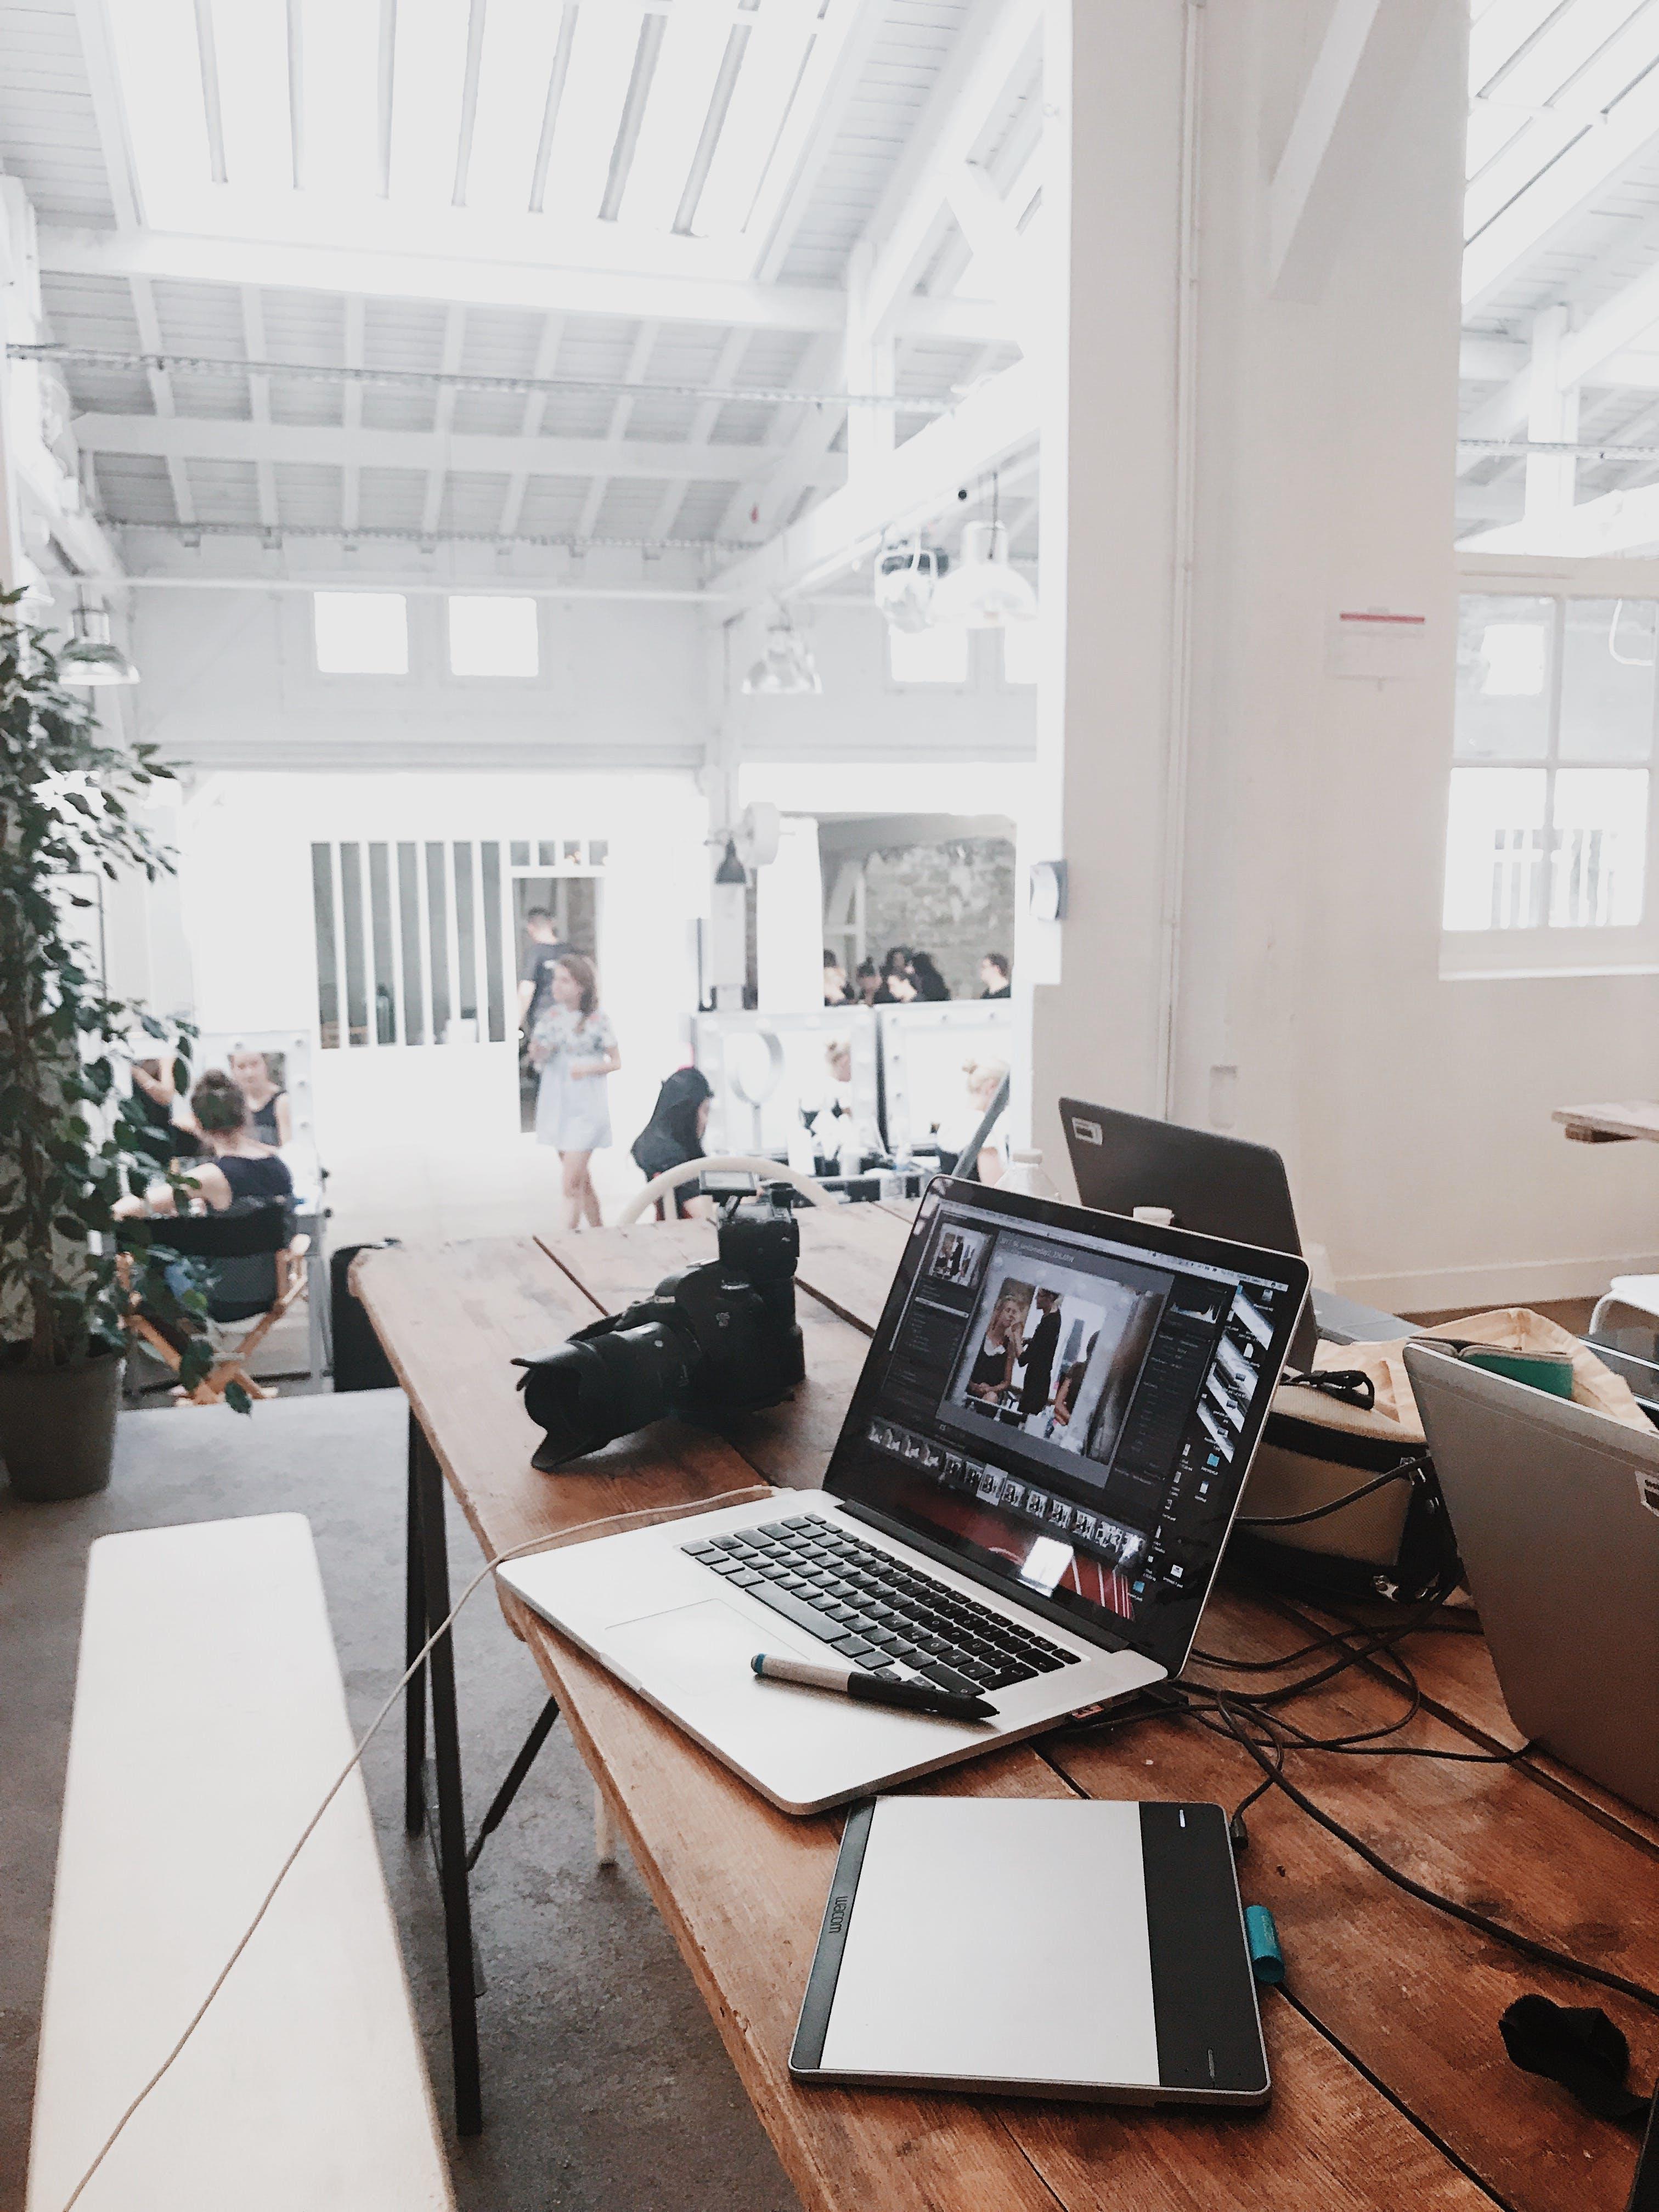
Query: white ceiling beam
x: 994, y: 240
x: 535, y: 407
x: 1616, y: 523
x: 920, y: 477
x: 732, y: 303
x: 109, y: 118
x: 254, y: 338
x: 904, y: 227
x: 443, y: 414
x: 1368, y: 52
x: 1586, y: 171
x: 840, y: 49
x: 161, y: 394
x: 1486, y: 359
x: 1625, y: 318
x: 351, y: 415
x: 322, y: 444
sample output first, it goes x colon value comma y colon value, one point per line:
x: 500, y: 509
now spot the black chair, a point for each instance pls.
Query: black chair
x: 256, y: 1271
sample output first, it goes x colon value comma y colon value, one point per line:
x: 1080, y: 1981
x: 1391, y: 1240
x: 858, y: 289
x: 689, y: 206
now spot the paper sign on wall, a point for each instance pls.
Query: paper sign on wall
x: 1378, y: 644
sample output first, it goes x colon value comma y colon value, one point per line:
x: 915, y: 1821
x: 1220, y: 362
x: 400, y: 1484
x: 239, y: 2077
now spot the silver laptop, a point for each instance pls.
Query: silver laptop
x: 1028, y: 1501
x: 1556, y: 1512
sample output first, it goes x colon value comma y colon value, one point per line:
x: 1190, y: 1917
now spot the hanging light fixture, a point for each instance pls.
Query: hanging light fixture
x: 787, y: 668
x: 731, y: 870
x: 982, y: 591
x: 90, y: 657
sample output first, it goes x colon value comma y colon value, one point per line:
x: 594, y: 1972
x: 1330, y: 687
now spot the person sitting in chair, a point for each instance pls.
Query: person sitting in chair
x: 238, y: 1166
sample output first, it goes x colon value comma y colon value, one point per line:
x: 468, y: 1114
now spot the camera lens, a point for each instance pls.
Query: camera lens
x: 588, y: 1391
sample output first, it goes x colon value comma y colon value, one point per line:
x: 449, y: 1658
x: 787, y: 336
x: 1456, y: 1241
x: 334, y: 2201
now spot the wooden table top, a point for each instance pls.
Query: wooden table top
x: 1391, y: 2084
x: 1615, y: 1123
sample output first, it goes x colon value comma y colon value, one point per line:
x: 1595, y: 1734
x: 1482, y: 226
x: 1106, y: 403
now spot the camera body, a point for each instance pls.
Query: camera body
x: 718, y: 1338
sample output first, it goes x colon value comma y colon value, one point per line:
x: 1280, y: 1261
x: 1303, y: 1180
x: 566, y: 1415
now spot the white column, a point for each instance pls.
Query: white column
x: 1254, y: 839
x: 1108, y: 487
x: 1552, y: 416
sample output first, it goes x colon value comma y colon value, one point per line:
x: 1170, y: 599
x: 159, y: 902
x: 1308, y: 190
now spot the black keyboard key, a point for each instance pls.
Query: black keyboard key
x: 803, y: 1616
x: 906, y: 1653
x: 877, y: 1661
x: 701, y: 1551
x: 946, y: 1677
x: 744, y: 1578
x: 853, y: 1647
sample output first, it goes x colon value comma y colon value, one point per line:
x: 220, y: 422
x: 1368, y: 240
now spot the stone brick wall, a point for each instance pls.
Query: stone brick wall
x: 955, y: 901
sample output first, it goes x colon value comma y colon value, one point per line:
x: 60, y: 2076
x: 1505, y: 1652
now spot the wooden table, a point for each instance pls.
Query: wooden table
x: 1617, y: 1123
x: 1392, y: 2086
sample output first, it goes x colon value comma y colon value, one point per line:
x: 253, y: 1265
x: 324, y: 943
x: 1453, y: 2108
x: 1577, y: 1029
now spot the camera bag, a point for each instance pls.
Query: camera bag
x: 1351, y: 1424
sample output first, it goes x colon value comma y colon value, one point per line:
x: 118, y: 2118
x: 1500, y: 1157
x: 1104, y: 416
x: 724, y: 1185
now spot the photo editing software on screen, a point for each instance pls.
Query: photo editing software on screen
x: 1068, y: 1409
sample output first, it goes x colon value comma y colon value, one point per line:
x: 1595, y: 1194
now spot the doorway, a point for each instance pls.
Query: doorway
x: 572, y: 904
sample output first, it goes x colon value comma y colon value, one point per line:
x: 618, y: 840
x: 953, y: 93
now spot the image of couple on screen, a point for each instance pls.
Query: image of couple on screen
x: 1056, y: 1358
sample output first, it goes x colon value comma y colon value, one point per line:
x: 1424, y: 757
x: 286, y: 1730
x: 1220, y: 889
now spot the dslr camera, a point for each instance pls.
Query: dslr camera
x: 720, y: 1338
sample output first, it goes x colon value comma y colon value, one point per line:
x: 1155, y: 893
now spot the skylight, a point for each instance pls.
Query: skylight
x: 659, y: 116
x: 361, y: 633
x: 494, y: 637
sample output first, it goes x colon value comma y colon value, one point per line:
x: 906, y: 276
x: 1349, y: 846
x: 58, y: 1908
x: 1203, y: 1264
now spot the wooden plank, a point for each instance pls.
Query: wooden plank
x: 1614, y: 1123
x: 1413, y: 1995
x: 452, y: 1317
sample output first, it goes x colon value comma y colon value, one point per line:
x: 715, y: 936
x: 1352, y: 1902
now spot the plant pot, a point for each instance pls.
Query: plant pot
x: 57, y: 1430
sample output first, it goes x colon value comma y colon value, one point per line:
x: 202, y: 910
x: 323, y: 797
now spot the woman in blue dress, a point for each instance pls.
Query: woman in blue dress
x: 575, y: 1047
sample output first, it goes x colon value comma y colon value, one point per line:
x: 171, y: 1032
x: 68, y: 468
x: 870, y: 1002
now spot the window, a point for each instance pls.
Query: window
x: 1550, y: 785
x: 361, y: 633
x: 928, y: 656
x: 1021, y: 651
x: 494, y: 637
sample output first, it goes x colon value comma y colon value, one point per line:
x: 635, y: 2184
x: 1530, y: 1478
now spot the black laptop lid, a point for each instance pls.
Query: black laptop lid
x: 1219, y: 1186
x: 1067, y: 1403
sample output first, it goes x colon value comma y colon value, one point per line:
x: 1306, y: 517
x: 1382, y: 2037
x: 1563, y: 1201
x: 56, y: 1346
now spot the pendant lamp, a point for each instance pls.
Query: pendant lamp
x: 982, y: 591
x: 787, y: 668
x: 90, y: 657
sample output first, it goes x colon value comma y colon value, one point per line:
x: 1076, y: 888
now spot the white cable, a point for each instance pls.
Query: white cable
x: 501, y: 1559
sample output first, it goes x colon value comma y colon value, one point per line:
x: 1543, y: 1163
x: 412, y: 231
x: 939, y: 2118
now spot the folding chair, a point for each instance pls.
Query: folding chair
x: 255, y: 1270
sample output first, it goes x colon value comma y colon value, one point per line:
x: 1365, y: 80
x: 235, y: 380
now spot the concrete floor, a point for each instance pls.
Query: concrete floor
x: 605, y: 2087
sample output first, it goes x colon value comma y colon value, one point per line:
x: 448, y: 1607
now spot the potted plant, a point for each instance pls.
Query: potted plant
x: 68, y: 1138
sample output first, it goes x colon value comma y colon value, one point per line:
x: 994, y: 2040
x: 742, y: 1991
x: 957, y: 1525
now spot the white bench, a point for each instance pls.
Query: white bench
x: 210, y: 1720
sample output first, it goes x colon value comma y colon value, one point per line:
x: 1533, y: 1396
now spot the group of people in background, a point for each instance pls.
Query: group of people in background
x: 905, y: 978
x: 224, y: 1141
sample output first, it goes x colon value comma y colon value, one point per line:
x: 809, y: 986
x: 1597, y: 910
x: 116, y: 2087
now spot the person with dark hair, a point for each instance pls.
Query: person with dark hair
x: 1042, y: 1349
x: 541, y: 955
x: 239, y: 1168
x: 930, y: 984
x: 869, y: 983
x: 574, y: 1048
x: 994, y: 974
x: 836, y: 993
x: 675, y: 1132
x: 898, y: 984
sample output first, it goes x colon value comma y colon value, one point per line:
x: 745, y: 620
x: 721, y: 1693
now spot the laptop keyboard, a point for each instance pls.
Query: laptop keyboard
x: 877, y: 1610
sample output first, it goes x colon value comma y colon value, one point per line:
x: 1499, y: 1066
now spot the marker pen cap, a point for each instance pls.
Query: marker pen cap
x: 1267, y: 1959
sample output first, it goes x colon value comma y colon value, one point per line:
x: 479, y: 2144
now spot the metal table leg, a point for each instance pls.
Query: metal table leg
x: 415, y: 1635
x: 427, y: 1489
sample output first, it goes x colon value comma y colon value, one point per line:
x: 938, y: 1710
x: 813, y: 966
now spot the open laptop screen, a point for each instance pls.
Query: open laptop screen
x: 1069, y: 1407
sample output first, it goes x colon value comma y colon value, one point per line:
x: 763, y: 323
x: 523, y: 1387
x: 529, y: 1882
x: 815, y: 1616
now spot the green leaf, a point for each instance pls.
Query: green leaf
x: 237, y: 1399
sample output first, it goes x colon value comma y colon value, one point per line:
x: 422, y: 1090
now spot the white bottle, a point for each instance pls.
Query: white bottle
x: 1026, y: 1176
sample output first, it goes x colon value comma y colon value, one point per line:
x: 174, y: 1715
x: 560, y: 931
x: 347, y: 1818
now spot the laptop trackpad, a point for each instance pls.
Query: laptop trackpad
x: 802, y: 1745
x: 702, y: 1650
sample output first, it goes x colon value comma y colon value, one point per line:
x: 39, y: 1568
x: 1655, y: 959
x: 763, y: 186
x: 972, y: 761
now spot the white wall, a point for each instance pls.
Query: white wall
x: 245, y: 878
x: 230, y: 681
x: 1307, y: 860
